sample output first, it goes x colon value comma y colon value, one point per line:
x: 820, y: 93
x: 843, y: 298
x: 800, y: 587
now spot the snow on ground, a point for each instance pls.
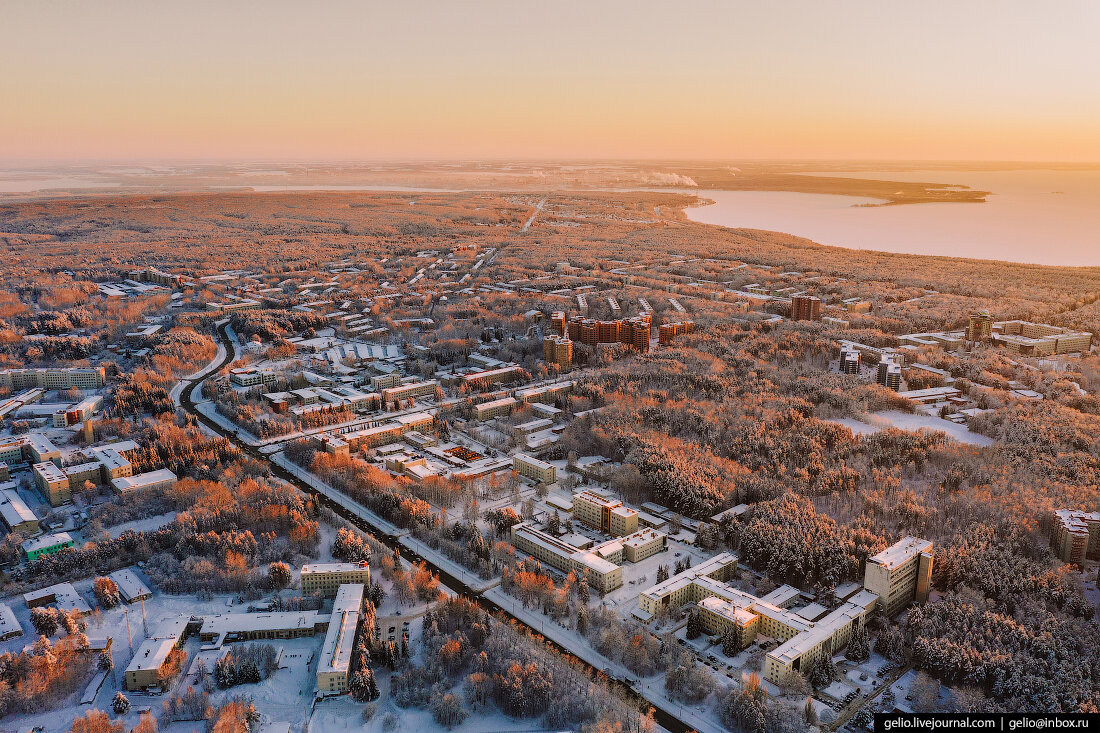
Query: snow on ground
x: 149, y: 524
x: 906, y: 421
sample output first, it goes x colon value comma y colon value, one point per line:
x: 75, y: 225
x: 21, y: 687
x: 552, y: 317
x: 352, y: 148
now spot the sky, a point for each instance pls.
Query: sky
x: 116, y: 80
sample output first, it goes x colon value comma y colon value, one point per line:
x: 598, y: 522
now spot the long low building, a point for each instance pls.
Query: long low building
x: 534, y: 469
x: 602, y: 574
x: 159, y: 479
x: 9, y: 624
x: 336, y: 652
x: 229, y: 627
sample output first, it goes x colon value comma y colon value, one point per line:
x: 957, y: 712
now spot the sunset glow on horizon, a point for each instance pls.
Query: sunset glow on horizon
x: 358, y: 81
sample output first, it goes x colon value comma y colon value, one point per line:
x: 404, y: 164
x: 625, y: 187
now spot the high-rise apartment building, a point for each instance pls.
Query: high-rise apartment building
x: 849, y: 361
x: 558, y: 350
x: 805, y: 308
x: 889, y: 374
x: 900, y: 574
x: 557, y: 323
x: 666, y: 332
x: 1075, y: 535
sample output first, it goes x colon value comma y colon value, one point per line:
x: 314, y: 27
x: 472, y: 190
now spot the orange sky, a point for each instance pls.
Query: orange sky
x: 119, y: 80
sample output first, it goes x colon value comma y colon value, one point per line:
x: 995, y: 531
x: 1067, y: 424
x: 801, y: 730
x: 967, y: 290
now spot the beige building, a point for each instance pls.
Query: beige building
x: 534, y: 469
x: 326, y: 578
x: 1075, y: 535
x: 336, y: 652
x: 642, y: 544
x: 900, y: 574
x: 54, y: 378
x: 495, y: 408
x: 52, y: 482
x: 605, y: 514
x: 724, y: 609
x: 602, y: 574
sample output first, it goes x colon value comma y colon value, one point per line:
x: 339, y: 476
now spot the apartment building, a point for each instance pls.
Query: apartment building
x: 849, y: 361
x: 336, y: 651
x: 557, y: 323
x: 493, y: 376
x: 251, y: 377
x: 605, y: 514
x: 635, y: 332
x: 408, y: 391
x: 900, y: 574
x: 642, y: 544
x: 546, y: 394
x: 326, y: 578
x: 558, y: 350
x: 54, y: 378
x: 805, y: 308
x: 667, y: 332
x: 602, y: 574
x: 1075, y: 535
x: 889, y: 374
x: 538, y: 471
x: 52, y: 482
x: 495, y: 408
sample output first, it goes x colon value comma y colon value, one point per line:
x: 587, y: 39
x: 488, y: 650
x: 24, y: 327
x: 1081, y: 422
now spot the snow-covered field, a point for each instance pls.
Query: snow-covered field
x: 906, y: 421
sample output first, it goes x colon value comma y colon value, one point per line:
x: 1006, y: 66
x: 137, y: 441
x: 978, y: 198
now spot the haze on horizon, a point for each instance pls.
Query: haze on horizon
x: 349, y: 80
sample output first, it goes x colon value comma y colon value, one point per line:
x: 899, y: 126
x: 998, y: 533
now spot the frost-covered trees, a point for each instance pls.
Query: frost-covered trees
x: 106, y: 592
x: 120, y: 705
x: 278, y: 575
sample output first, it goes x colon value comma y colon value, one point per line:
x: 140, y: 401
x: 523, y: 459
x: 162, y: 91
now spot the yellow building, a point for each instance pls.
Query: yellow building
x: 52, y: 482
x: 605, y: 514
x: 1075, y: 535
x: 558, y: 350
x: 602, y: 574
x: 336, y: 652
x: 534, y: 469
x: 980, y: 327
x: 326, y: 578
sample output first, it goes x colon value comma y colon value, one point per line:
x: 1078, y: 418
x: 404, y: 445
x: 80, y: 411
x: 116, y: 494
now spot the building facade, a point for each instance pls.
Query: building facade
x: 325, y: 579
x: 900, y: 574
x: 605, y: 514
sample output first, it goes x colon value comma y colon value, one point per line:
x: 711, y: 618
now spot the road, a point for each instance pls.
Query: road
x: 531, y: 219
x: 664, y: 718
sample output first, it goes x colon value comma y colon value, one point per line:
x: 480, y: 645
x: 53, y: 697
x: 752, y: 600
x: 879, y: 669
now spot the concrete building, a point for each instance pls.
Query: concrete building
x: 558, y: 350
x: 495, y: 408
x: 251, y: 377
x: 724, y: 609
x: 326, y: 578
x: 602, y: 574
x: 667, y: 332
x: 980, y: 327
x: 642, y: 544
x: 557, y: 323
x: 159, y: 479
x: 32, y: 447
x: 131, y: 588
x: 605, y: 514
x: 52, y: 482
x: 336, y: 652
x: 849, y: 361
x: 805, y: 308
x: 61, y: 595
x: 150, y: 664
x: 404, y: 392
x: 1075, y: 535
x: 9, y: 624
x: 889, y: 374
x: 900, y: 574
x: 1040, y: 339
x: 47, y: 544
x: 17, y: 516
x: 50, y: 378
x: 501, y: 375
x: 534, y: 469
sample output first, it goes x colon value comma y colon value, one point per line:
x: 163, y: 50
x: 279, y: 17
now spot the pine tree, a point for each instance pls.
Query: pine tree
x: 662, y: 573
x: 583, y: 592
x: 582, y: 621
x: 373, y: 692
x: 694, y: 625
x: 120, y: 704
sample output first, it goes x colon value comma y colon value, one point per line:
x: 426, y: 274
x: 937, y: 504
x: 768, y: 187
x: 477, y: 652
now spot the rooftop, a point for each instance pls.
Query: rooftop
x: 901, y: 551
